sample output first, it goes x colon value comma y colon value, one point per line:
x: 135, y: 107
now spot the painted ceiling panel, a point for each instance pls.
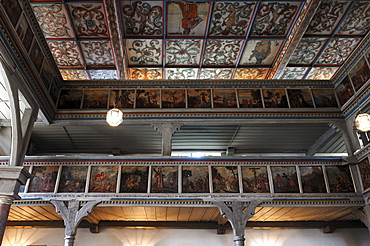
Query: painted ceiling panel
x: 74, y: 74
x: 66, y: 53
x: 89, y: 20
x: 187, y: 19
x: 274, y: 19
x: 222, y: 52
x: 181, y: 73
x: 97, y: 53
x: 231, y: 18
x: 144, y: 51
x: 327, y: 17
x: 183, y: 52
x: 294, y: 72
x: 53, y: 20
x: 146, y: 73
x: 216, y: 73
x: 260, y: 52
x: 338, y: 50
x: 322, y: 72
x: 358, y: 20
x: 307, y: 50
x: 201, y: 40
x: 251, y: 73
x: 142, y: 18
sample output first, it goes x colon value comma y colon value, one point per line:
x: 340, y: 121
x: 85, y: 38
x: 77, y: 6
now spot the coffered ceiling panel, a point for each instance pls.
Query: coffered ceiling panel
x: 201, y: 40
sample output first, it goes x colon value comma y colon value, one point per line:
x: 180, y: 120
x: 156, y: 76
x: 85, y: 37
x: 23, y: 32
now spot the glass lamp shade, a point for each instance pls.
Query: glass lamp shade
x: 362, y: 122
x: 114, y: 117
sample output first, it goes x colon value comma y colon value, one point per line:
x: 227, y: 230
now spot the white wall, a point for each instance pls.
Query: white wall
x: 177, y: 237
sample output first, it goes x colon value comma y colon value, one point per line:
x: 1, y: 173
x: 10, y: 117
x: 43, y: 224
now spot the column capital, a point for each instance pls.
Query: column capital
x: 11, y: 178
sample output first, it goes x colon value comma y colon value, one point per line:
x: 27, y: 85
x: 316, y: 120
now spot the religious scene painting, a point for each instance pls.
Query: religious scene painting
x: 340, y: 179
x: 285, y: 179
x: 344, y: 90
x: 43, y: 178
x: 149, y: 98
x: 364, y: 167
x: 255, y: 180
x: 225, y: 179
x: 250, y: 98
x: 324, y: 98
x: 95, y: 99
x: 195, y: 179
x: 25, y: 33
x: 173, y: 98
x: 260, y: 52
x: 134, y: 179
x: 12, y: 9
x: 73, y: 179
x: 164, y: 179
x: 187, y: 18
x: 199, y: 98
x: 122, y: 98
x: 360, y: 74
x: 312, y: 179
x: 224, y: 98
x: 37, y: 55
x: 275, y: 98
x: 300, y: 98
x: 70, y: 99
x: 103, y: 179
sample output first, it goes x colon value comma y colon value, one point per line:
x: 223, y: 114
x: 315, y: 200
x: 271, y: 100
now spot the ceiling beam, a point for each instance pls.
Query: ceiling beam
x: 321, y: 142
x: 191, y: 225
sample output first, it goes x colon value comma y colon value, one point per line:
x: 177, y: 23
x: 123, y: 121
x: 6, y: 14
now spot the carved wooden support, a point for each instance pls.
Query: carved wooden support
x: 167, y: 129
x: 237, y: 218
x: 364, y: 215
x: 72, y: 216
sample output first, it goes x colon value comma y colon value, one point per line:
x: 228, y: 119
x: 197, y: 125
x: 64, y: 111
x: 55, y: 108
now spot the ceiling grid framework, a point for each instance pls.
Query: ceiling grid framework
x: 200, y: 40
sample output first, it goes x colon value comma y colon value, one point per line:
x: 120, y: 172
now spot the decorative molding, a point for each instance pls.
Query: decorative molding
x: 197, y: 83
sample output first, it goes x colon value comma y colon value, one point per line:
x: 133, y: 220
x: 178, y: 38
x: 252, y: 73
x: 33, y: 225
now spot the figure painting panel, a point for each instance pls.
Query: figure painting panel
x: 149, y: 98
x: 134, y: 179
x: 164, y: 179
x: 95, y: 99
x: 312, y: 179
x: 344, y: 91
x: 73, y: 179
x: 25, y: 33
x: 285, y: 179
x: 43, y: 178
x: 275, y: 98
x: 364, y: 167
x: 360, y: 74
x: 300, y: 98
x: 12, y: 9
x: 260, y: 52
x: 122, y: 98
x: 255, y: 180
x: 173, y: 98
x: 224, y: 98
x: 70, y: 99
x: 324, y: 98
x: 103, y: 179
x: 187, y: 19
x: 199, y: 98
x: 249, y: 98
x: 37, y: 55
x: 340, y: 179
x: 195, y: 179
x: 225, y: 179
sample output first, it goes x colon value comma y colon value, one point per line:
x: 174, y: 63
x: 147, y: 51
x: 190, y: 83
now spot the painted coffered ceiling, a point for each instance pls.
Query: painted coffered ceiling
x: 201, y: 40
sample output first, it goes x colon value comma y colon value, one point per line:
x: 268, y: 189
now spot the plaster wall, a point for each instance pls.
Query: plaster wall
x: 182, y: 237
